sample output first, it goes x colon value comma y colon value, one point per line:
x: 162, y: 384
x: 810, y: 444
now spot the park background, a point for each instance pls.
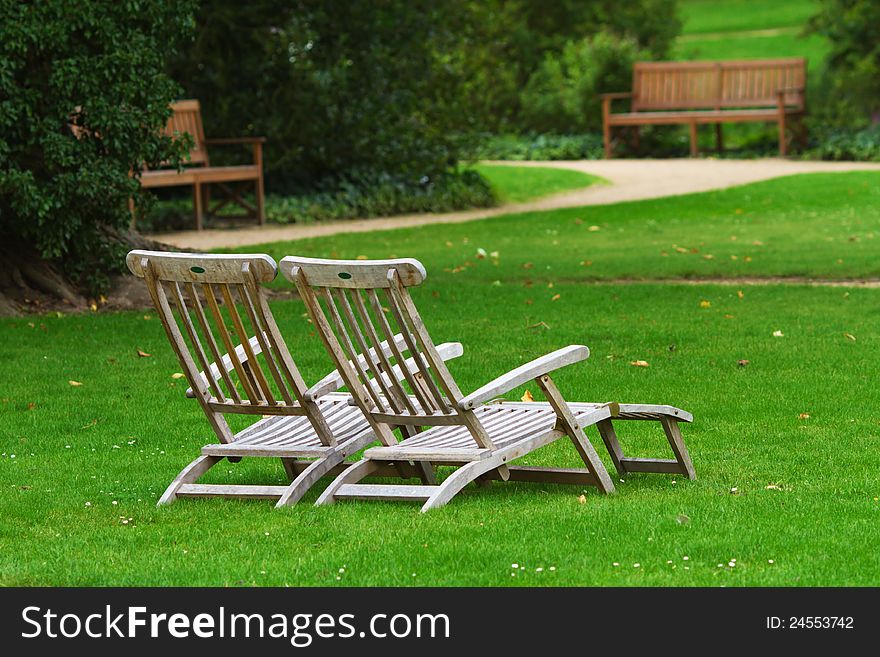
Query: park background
x: 754, y: 306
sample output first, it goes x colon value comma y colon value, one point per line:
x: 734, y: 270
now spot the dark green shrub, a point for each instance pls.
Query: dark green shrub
x: 848, y: 144
x: 562, y: 96
x: 538, y: 147
x: 364, y: 196
x: 850, y: 89
x: 99, y: 67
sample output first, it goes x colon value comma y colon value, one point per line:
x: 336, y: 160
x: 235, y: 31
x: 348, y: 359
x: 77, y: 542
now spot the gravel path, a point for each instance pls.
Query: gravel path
x: 630, y: 180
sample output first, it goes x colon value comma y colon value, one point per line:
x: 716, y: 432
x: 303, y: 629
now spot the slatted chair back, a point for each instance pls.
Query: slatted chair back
x: 365, y: 306
x: 717, y: 84
x: 187, y: 119
x: 208, y: 305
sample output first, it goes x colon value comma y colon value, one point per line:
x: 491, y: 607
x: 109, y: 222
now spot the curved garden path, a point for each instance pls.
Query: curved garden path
x: 629, y: 180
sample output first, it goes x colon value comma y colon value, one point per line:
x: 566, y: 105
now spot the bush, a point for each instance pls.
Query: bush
x: 562, y: 96
x: 538, y: 147
x: 850, y: 89
x: 84, y: 96
x: 846, y: 144
x: 335, y: 86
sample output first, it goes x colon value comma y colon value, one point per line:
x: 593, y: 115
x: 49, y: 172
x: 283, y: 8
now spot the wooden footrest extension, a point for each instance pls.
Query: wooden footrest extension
x: 384, y: 492
x: 652, y: 465
x: 223, y: 490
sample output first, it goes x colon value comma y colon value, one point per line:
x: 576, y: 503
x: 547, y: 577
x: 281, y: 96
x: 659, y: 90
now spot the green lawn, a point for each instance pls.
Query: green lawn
x: 792, y: 499
x: 820, y: 225
x: 714, y: 16
x: 519, y: 184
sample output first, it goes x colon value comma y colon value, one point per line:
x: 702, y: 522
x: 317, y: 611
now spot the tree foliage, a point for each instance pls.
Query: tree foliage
x: 83, y: 96
x: 342, y: 90
x: 853, y: 63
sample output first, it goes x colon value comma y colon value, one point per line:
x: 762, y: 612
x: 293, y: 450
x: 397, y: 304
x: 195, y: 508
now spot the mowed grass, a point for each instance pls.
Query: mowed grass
x: 517, y: 184
x: 713, y: 16
x: 816, y: 225
x: 787, y: 499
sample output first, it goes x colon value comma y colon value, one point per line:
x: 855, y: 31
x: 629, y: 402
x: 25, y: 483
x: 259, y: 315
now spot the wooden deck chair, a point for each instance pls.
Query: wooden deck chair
x: 355, y: 304
x: 312, y: 430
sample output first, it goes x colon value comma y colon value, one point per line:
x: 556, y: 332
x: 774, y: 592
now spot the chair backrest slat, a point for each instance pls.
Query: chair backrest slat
x: 258, y: 378
x: 366, y: 348
x: 349, y: 348
x: 399, y: 398
x: 435, y: 395
x: 390, y: 335
x: 246, y: 380
x: 244, y: 376
x: 403, y: 318
x: 174, y: 289
x: 256, y: 318
x: 187, y: 119
x: 205, y: 326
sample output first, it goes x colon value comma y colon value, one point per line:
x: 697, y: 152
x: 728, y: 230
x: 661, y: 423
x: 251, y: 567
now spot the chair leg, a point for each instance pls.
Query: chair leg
x: 307, y: 478
x: 719, y: 138
x: 361, y: 469
x: 673, y: 435
x: 569, y: 424
x: 458, y: 480
x: 693, y: 131
x: 609, y: 437
x: 190, y: 474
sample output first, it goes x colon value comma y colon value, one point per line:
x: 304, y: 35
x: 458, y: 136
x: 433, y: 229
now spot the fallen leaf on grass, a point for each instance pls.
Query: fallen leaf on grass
x: 481, y: 253
x: 778, y: 334
x: 555, y: 297
x: 143, y: 354
x: 639, y: 363
x: 527, y: 396
x: 177, y: 375
x: 682, y: 519
x: 742, y: 363
x: 705, y: 304
x: 582, y: 499
x: 740, y: 294
x: 708, y: 256
x: 361, y: 257
x: 586, y: 263
x: 542, y: 325
x: 75, y: 384
x: 593, y: 229
x: 773, y: 487
x: 804, y: 416
x: 849, y: 336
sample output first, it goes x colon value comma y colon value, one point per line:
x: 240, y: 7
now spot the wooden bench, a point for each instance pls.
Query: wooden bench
x: 233, y: 181
x: 699, y: 93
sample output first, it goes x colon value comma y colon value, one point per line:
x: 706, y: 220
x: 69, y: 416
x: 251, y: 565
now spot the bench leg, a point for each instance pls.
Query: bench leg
x: 782, y: 147
x: 197, y: 204
x: 693, y: 129
x: 606, y: 138
x: 719, y: 138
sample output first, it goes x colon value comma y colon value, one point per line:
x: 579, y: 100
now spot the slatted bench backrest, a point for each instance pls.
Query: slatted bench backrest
x: 198, y: 298
x: 356, y: 305
x: 718, y: 84
x: 187, y: 119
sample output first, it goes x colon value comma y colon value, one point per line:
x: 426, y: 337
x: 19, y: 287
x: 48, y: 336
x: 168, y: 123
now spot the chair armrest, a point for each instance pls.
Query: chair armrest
x: 236, y: 140
x: 333, y: 381
x: 616, y: 95
x: 227, y: 363
x: 532, y: 370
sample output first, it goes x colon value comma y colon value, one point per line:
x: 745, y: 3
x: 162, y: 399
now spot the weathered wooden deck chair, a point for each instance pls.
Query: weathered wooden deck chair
x: 347, y: 301
x: 312, y: 430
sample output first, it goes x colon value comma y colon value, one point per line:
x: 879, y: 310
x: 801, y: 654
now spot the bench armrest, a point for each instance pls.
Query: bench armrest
x: 226, y: 361
x: 524, y: 373
x: 236, y: 140
x: 616, y: 94
x: 333, y: 381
